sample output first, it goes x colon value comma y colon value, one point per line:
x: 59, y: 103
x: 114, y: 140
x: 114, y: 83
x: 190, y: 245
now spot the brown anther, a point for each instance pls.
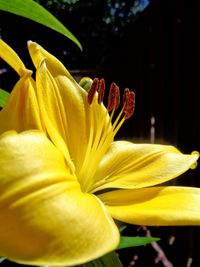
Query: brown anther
x: 101, y: 91
x: 128, y: 103
x: 126, y: 97
x: 93, y: 89
x: 113, y: 97
x: 116, y: 97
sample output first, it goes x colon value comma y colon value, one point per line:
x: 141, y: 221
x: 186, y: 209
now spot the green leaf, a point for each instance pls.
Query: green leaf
x: 33, y: 11
x: 127, y: 241
x: 108, y: 260
x: 3, y: 97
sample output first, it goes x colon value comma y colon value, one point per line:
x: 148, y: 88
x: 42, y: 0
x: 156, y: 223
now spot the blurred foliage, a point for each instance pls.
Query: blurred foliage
x: 115, y: 14
x: 98, y: 24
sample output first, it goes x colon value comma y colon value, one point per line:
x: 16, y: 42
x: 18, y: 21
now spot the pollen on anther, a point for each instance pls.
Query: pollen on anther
x: 113, y: 97
x: 93, y: 89
x: 117, y: 97
x: 101, y: 90
x: 128, y: 103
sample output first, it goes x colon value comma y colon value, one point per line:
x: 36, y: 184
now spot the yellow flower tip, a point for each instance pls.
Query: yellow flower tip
x: 10, y: 57
x: 31, y: 44
x: 196, y: 156
x: 33, y: 48
x: 195, y: 153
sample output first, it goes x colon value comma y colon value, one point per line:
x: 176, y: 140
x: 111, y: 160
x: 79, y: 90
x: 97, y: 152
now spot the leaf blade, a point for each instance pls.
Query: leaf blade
x: 127, y: 241
x: 33, y: 11
x: 3, y: 97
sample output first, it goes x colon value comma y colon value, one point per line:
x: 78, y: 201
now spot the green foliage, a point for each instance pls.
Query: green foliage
x: 126, y: 241
x: 32, y: 10
x: 115, y: 14
x: 3, y: 97
x: 100, y: 25
x: 59, y: 3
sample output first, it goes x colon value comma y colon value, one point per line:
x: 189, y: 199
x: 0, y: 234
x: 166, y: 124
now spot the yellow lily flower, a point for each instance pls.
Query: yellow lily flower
x: 63, y: 178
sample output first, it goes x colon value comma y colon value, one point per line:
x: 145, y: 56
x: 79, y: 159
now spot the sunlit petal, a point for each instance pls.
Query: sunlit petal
x: 45, y: 218
x: 128, y: 165
x: 155, y: 206
x: 49, y: 215
x: 9, y: 55
x: 21, y: 112
x: 61, y: 99
x: 82, y: 126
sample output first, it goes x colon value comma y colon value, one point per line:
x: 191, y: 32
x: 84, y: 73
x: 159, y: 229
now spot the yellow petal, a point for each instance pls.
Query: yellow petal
x: 64, y: 102
x: 128, y: 165
x: 53, y: 113
x: 155, y: 206
x: 45, y: 219
x: 21, y: 112
x: 61, y: 99
x: 8, y: 55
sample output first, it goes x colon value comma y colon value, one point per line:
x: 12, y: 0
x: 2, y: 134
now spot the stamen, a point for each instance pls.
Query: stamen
x: 104, y: 130
x: 101, y: 91
x: 116, y: 98
x: 113, y: 97
x: 93, y: 89
x: 128, y: 103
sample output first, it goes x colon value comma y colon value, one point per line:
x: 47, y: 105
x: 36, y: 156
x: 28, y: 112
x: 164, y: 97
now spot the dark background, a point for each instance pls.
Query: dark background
x: 156, y: 53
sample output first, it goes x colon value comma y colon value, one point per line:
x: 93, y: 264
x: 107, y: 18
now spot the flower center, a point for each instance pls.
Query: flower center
x: 113, y: 101
x: 100, y: 140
